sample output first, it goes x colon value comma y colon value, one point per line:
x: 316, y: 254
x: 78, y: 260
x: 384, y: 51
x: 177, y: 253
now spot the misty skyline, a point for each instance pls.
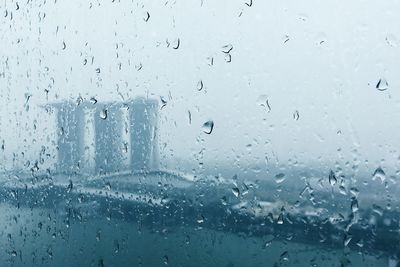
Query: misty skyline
x: 304, y: 60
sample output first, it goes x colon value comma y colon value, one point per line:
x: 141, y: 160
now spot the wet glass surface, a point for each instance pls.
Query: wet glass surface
x: 199, y: 133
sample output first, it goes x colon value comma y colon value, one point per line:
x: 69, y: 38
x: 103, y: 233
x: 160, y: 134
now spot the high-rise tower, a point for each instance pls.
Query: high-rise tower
x: 70, y: 136
x: 143, y: 119
x: 108, y: 125
x: 101, y: 138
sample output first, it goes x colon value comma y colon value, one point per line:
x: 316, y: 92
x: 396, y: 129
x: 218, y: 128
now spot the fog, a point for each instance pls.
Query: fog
x: 317, y: 64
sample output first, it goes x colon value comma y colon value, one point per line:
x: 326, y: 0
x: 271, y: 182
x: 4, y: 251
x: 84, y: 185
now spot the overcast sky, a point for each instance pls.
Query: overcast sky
x: 316, y: 62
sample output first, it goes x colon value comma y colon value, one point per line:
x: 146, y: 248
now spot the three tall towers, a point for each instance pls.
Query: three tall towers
x: 121, y: 136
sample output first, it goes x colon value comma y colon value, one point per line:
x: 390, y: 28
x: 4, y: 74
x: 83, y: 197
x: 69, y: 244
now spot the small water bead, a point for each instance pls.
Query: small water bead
x: 379, y: 174
x: 208, y: 127
x: 382, y: 85
x: 103, y: 114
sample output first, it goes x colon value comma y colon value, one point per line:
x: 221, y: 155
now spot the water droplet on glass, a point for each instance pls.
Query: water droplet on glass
x: 321, y: 38
x: 279, y: 178
x: 360, y: 243
x: 79, y: 100
x: 227, y: 48
x: 236, y: 191
x: 190, y: 117
x: 98, y: 235
x: 379, y: 174
x: 93, y: 100
x: 187, y: 240
x: 27, y: 98
x: 249, y: 3
x: 176, y: 43
x: 200, y: 219
x: 391, y: 40
x: 377, y: 209
x: 210, y: 61
x: 332, y: 178
x: 263, y: 101
x: 284, y: 256
x: 286, y: 39
x: 280, y: 219
x: 382, y: 85
x: 125, y: 148
x: 224, y: 200
x: 146, y: 17
x: 49, y: 252
x: 103, y: 114
x: 70, y: 186
x: 208, y: 127
x: 116, y: 246
x: 296, y: 115
x: 228, y: 58
x: 139, y: 66
x: 268, y: 240
x: 346, y: 240
x: 108, y: 186
x: 166, y: 260
x: 354, y: 191
x: 354, y: 205
x: 200, y: 85
x: 163, y: 102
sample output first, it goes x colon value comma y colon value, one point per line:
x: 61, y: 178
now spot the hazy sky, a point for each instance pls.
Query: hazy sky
x: 322, y: 59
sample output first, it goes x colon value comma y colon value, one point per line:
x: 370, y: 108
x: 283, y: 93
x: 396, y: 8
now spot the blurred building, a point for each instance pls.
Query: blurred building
x: 143, y: 118
x: 108, y: 126
x: 70, y: 136
x: 124, y: 136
